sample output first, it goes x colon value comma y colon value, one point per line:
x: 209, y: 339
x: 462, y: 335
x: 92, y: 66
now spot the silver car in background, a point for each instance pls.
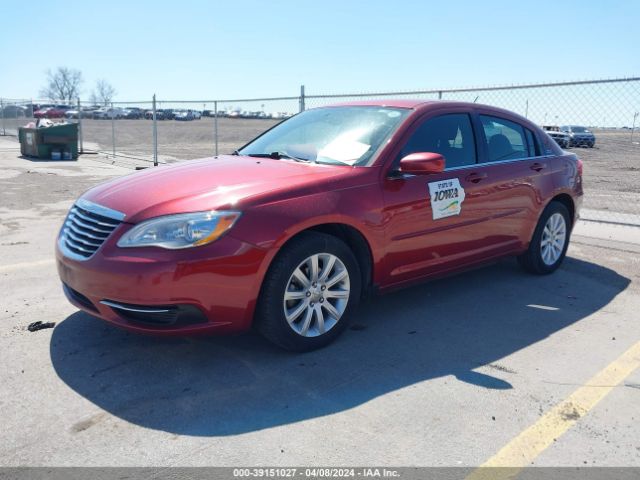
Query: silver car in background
x: 579, y: 136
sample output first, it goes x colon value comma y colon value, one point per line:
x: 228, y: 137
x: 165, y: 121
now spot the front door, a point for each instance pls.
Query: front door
x: 439, y: 222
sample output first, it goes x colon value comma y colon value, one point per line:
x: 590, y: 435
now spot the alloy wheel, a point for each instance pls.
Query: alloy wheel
x: 554, y: 237
x: 316, y: 295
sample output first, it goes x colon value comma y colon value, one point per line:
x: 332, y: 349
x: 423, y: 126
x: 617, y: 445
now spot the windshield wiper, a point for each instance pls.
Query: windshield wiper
x: 283, y: 154
x: 277, y: 156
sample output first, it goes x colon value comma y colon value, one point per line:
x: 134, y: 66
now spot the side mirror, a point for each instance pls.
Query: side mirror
x: 422, y: 163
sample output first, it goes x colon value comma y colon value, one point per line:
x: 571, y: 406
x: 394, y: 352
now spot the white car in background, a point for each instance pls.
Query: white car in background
x: 106, y: 113
x: 69, y: 114
x: 563, y: 139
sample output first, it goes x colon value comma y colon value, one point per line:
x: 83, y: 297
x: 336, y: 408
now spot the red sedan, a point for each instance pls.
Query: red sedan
x: 291, y: 231
x: 51, y: 112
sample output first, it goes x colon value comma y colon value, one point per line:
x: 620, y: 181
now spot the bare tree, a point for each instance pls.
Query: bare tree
x: 93, y: 99
x: 63, y: 84
x: 103, y: 93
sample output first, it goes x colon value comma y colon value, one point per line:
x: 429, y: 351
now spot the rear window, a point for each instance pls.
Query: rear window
x: 506, y: 140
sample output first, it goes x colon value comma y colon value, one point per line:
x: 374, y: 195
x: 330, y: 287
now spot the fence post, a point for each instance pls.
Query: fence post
x: 440, y: 95
x: 155, y: 133
x: 2, y: 110
x: 113, y: 130
x: 215, y: 124
x: 80, y: 126
x: 302, y: 98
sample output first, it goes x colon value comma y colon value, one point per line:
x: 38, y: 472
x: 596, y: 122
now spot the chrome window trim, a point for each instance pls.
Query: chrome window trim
x: 131, y: 309
x: 474, y: 165
x: 499, y: 162
x: 100, y: 210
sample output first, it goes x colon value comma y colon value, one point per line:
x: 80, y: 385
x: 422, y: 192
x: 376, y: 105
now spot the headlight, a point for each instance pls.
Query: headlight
x: 180, y: 231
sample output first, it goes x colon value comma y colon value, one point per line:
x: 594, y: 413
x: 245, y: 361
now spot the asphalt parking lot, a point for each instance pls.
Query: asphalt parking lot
x: 455, y: 372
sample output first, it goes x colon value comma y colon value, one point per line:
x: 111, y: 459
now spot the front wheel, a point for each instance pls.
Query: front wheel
x: 550, y: 241
x: 309, y: 293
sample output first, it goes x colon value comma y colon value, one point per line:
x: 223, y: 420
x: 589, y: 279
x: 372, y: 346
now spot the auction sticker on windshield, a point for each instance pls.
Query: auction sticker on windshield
x: 446, y: 198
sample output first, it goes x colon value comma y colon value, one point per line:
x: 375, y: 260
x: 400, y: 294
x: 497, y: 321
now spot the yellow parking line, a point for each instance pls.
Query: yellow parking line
x: 530, y: 443
x: 20, y: 266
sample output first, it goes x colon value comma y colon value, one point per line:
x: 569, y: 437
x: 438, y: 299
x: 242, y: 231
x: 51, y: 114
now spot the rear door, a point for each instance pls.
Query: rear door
x: 518, y: 177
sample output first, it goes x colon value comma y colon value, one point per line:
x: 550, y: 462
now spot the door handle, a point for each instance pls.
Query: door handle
x: 475, y: 177
x: 538, y: 166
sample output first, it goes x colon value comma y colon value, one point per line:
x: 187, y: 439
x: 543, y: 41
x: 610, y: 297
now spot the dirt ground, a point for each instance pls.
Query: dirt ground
x: 611, y: 169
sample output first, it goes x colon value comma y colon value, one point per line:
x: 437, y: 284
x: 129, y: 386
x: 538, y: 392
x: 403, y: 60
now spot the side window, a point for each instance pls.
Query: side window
x: 505, y: 139
x: 449, y: 135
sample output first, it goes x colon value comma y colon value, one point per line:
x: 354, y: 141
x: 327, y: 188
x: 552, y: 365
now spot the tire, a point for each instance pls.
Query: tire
x: 538, y: 260
x: 319, y: 296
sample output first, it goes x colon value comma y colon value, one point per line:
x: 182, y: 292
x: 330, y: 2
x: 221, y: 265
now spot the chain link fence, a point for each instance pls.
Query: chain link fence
x: 138, y: 134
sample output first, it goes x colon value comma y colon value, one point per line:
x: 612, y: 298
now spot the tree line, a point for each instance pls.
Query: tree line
x: 64, y: 84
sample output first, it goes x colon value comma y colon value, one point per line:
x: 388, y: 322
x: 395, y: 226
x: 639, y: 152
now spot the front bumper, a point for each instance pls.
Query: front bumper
x: 217, y: 283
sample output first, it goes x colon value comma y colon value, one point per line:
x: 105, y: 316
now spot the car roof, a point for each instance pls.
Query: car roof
x: 385, y: 102
x: 420, y: 105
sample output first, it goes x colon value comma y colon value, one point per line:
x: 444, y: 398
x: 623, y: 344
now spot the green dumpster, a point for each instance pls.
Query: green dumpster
x: 41, y: 142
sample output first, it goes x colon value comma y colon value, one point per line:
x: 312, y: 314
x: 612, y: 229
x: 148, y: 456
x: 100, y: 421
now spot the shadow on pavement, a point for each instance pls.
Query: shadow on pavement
x: 228, y: 385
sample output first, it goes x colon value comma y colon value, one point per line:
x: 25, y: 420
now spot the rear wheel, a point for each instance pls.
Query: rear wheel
x: 550, y: 241
x: 309, y: 293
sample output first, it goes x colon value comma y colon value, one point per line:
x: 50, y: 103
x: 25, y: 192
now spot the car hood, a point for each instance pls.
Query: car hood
x: 222, y: 183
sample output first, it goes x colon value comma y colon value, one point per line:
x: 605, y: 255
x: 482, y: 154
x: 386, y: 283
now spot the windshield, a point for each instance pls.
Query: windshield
x: 336, y: 135
x: 579, y: 130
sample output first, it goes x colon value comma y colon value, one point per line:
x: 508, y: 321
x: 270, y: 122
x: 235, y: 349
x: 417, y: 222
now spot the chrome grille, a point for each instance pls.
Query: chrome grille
x: 85, y: 230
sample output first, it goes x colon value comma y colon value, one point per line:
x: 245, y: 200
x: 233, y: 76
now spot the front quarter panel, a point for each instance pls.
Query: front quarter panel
x: 269, y: 226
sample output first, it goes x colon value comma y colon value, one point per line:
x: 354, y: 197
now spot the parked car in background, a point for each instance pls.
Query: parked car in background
x: 14, y: 111
x: 42, y: 112
x: 133, y: 113
x: 561, y: 138
x: 100, y: 113
x: 57, y: 111
x: 106, y: 113
x: 84, y: 112
x: 72, y: 113
x: 160, y: 114
x: 197, y: 114
x: 60, y: 110
x: 87, y: 112
x: 34, y: 107
x: 184, y: 115
x: 579, y: 136
x: 293, y: 230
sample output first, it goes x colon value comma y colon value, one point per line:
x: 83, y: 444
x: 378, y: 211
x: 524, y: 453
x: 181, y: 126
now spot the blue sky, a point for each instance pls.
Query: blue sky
x: 242, y: 48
